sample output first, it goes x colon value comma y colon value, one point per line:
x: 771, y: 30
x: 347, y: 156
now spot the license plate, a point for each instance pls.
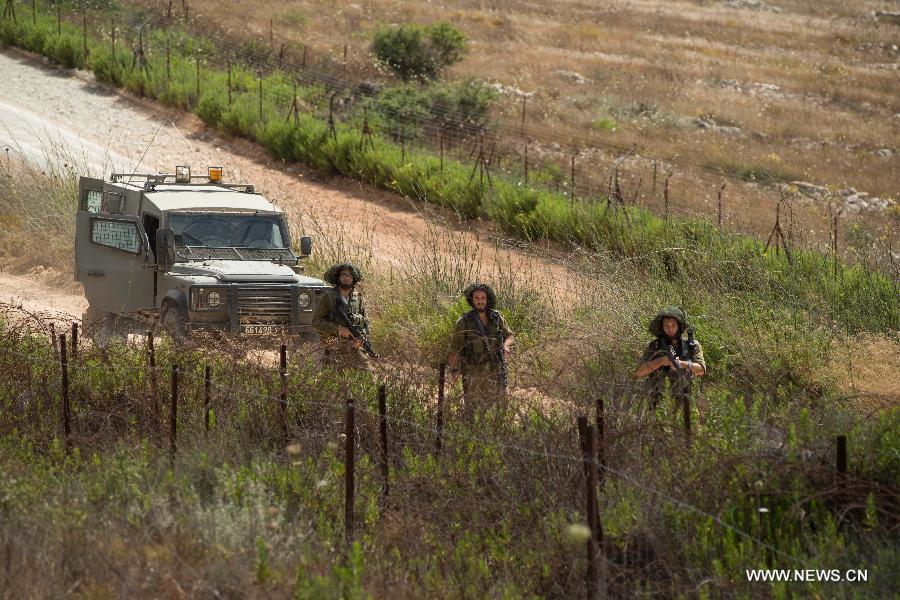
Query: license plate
x: 262, y: 329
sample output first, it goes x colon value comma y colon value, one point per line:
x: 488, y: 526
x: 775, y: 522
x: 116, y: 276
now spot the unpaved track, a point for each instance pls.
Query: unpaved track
x: 45, y: 292
x: 101, y: 125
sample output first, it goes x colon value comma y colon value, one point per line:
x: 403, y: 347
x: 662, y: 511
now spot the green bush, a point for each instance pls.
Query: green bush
x: 459, y: 107
x: 418, y: 51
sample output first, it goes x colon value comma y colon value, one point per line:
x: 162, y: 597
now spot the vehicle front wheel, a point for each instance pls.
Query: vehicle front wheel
x: 99, y: 326
x: 172, y: 322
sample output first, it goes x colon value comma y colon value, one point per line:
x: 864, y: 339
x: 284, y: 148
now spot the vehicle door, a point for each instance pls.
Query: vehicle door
x: 111, y: 253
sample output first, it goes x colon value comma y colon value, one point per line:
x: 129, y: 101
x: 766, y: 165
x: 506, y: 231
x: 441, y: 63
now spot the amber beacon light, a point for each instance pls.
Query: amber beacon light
x: 215, y: 174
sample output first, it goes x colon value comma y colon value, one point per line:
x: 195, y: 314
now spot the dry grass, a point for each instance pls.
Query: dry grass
x: 654, y: 67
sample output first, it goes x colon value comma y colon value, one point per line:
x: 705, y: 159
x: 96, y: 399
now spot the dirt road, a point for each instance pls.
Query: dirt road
x: 106, y: 129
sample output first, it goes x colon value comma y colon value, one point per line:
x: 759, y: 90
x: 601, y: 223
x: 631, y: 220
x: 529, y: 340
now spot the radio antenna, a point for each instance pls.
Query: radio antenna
x: 200, y: 156
x: 145, y: 152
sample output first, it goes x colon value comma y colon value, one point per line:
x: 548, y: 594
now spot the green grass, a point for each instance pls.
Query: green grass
x: 240, y: 514
x: 683, y: 251
x: 240, y: 510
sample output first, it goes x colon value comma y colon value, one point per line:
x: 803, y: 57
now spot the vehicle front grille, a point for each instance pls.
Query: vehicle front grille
x: 268, y: 305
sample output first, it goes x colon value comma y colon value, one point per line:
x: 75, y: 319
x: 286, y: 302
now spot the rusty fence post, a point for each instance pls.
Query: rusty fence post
x: 686, y: 409
x: 349, y: 466
x: 154, y: 387
x: 207, y: 398
x: 198, y: 78
x: 229, y: 83
x: 383, y: 431
x: 601, y: 440
x: 58, y: 17
x: 440, y: 407
x: 841, y: 457
x: 719, y: 206
x: 572, y: 180
x: 282, y: 399
x: 74, y: 340
x: 259, y: 77
x: 113, y: 33
x: 55, y: 341
x: 666, y: 197
x: 593, y: 582
x: 84, y: 37
x: 66, y: 408
x: 173, y: 415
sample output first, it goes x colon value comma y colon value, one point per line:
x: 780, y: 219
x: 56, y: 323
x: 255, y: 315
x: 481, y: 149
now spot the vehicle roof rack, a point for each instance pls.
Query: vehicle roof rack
x: 150, y: 181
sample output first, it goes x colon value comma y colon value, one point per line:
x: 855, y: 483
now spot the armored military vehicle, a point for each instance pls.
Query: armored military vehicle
x: 184, y: 253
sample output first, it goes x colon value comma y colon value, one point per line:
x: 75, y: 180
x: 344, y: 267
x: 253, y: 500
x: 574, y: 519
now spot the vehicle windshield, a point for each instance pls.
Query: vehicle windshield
x: 229, y: 230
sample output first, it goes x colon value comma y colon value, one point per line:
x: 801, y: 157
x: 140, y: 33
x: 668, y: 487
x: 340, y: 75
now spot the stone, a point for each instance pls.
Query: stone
x: 573, y: 76
x: 885, y: 16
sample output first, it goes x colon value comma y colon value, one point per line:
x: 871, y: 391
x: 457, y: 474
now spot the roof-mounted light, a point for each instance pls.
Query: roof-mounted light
x: 215, y: 174
x: 182, y: 174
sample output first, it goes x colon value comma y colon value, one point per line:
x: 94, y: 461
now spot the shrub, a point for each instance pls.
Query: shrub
x: 459, y: 107
x: 417, y: 51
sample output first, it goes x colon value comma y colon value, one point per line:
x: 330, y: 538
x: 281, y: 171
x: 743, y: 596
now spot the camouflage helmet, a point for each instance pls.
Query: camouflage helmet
x: 332, y: 274
x: 673, y: 312
x: 470, y: 291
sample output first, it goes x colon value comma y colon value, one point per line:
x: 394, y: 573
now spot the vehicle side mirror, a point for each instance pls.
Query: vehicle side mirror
x: 305, y: 245
x: 165, y: 248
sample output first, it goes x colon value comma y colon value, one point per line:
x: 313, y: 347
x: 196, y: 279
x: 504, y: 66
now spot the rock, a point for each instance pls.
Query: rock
x: 753, y: 5
x: 884, y: 16
x: 573, y: 76
x: 713, y: 126
x: 509, y: 90
x: 768, y: 88
x: 810, y: 189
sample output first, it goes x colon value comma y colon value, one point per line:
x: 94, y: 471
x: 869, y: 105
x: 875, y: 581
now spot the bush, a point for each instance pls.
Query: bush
x: 417, y: 51
x: 457, y: 108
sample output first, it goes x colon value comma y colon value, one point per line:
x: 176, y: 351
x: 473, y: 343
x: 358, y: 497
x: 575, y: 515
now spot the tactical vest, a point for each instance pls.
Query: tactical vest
x: 474, y: 327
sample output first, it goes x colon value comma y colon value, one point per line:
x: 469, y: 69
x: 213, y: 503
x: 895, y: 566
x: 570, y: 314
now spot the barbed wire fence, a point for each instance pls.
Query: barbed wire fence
x: 168, y: 393
x: 511, y: 148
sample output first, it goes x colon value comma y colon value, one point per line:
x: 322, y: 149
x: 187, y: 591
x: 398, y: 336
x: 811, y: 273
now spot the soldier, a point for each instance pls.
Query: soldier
x: 668, y: 328
x: 342, y: 348
x: 479, y: 349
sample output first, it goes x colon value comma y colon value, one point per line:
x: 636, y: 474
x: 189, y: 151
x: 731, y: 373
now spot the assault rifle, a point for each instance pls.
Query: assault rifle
x: 503, y: 374
x: 670, y: 348
x: 343, y: 317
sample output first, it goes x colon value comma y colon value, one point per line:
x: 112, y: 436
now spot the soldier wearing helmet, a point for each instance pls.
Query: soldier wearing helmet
x: 479, y: 348
x: 668, y: 328
x: 341, y: 348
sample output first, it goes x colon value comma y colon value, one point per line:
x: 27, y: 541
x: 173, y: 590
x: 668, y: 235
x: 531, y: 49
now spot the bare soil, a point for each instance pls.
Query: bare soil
x: 386, y: 226
x: 152, y: 137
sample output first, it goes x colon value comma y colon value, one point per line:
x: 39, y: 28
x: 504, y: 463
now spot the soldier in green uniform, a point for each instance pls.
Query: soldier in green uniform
x: 341, y: 348
x: 668, y: 328
x: 479, y: 349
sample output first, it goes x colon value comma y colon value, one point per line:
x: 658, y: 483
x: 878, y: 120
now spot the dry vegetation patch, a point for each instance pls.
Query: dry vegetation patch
x: 808, y: 87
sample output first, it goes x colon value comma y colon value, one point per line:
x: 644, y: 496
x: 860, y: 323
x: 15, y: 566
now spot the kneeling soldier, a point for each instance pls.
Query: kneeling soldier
x: 340, y: 318
x: 671, y: 357
x: 479, y: 349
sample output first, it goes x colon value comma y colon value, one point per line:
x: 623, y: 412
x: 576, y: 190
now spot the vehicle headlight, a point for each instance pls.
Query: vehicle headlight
x: 206, y: 299
x: 303, y: 300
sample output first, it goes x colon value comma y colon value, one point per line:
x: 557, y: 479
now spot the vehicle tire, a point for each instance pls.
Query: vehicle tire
x: 98, y: 325
x: 172, y: 322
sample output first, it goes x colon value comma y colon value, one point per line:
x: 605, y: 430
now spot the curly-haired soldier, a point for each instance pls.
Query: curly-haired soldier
x: 342, y: 348
x: 668, y: 328
x: 480, y: 347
